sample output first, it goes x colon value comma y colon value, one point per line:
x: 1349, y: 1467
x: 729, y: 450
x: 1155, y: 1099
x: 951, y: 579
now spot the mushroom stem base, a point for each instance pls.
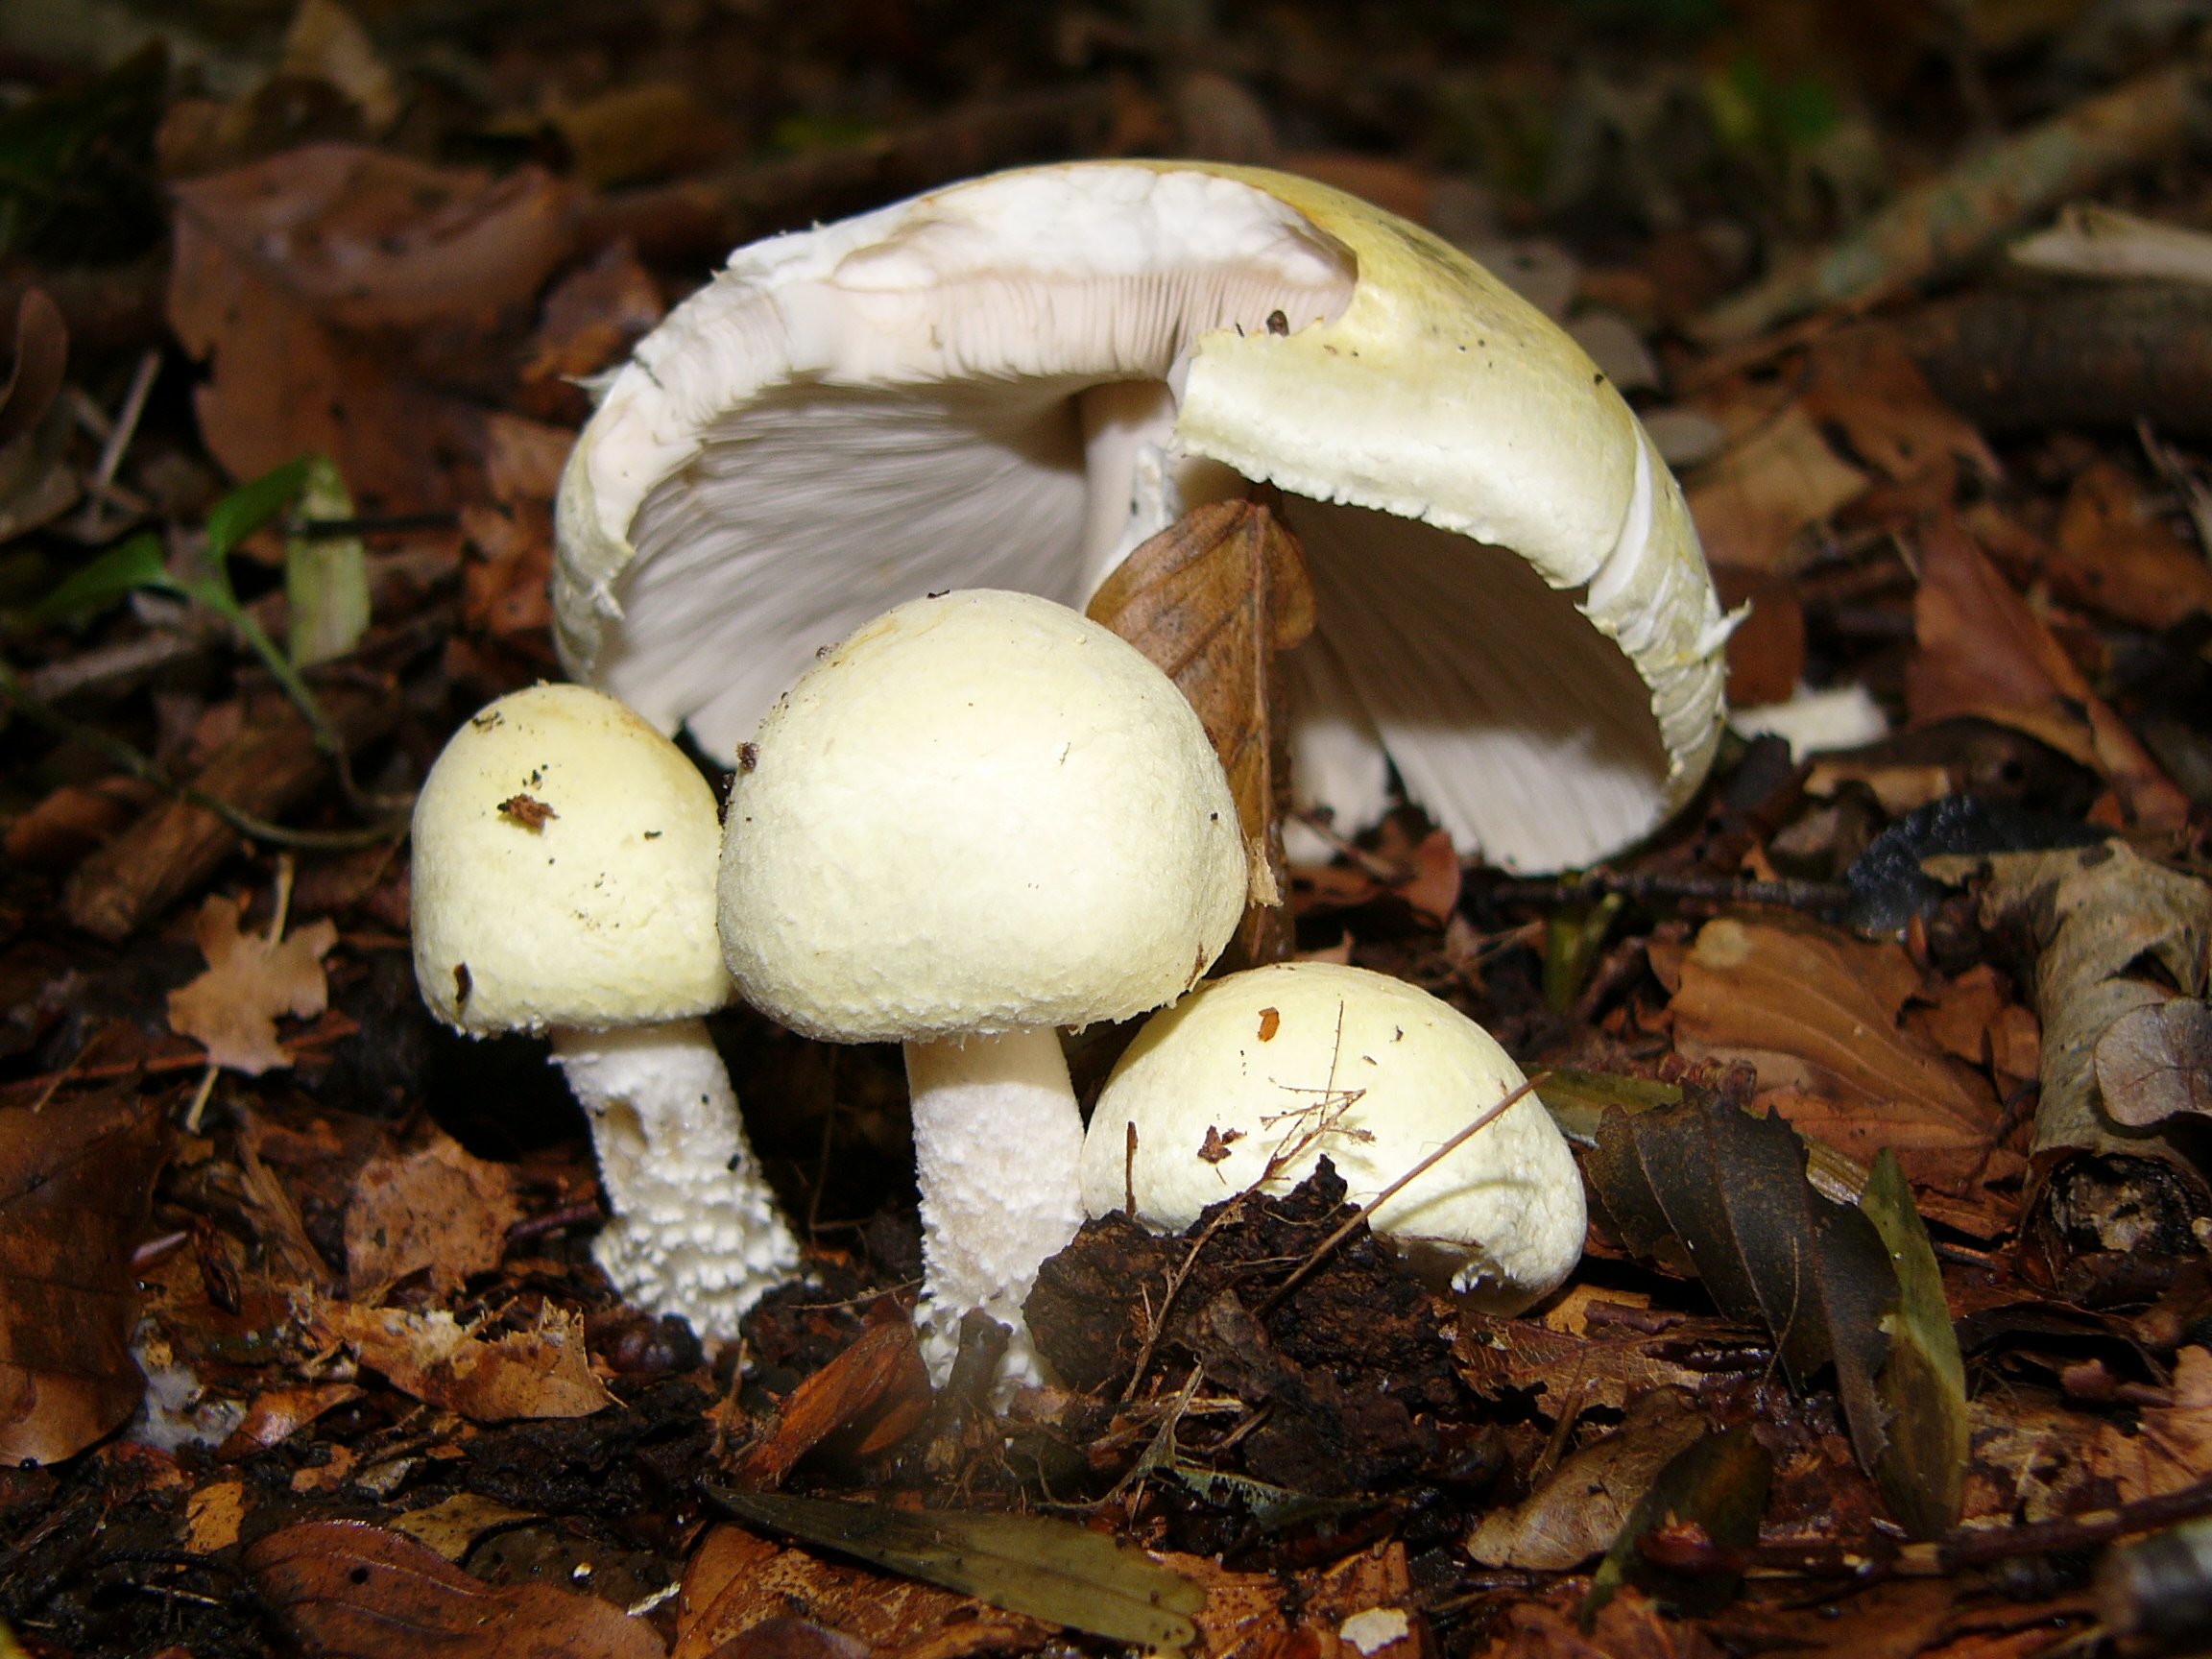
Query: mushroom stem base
x: 695, y: 1230
x: 997, y: 1139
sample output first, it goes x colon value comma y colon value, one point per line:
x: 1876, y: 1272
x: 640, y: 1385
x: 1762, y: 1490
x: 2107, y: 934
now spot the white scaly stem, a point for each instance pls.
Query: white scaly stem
x: 998, y: 1136
x: 695, y: 1230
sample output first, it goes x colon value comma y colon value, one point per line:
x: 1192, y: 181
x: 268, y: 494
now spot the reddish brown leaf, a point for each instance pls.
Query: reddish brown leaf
x: 2172, y: 1446
x: 1766, y: 653
x: 276, y: 1414
x: 2116, y: 555
x: 75, y: 1182
x: 879, y: 1377
x: 589, y: 319
x: 335, y: 287
x: 438, y: 1209
x: 1816, y: 1013
x: 1211, y: 599
x: 1984, y: 653
x: 736, y: 1581
x: 349, y: 1590
x: 1751, y: 502
x: 1863, y: 380
x: 539, y: 1373
x: 232, y: 1009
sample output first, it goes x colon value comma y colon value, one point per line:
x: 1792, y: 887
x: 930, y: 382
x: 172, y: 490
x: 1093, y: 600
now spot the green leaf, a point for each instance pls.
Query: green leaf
x: 1573, y: 938
x: 1717, y: 1485
x: 120, y: 571
x: 326, y: 579
x: 252, y: 505
x: 1051, y: 1569
x: 1923, y: 1477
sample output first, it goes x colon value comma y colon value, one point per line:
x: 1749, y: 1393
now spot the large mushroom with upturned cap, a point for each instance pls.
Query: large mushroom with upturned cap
x: 1011, y: 382
x: 978, y: 819
x: 564, y: 884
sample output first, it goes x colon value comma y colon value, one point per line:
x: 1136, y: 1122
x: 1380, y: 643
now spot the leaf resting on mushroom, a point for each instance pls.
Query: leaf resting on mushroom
x: 1024, y: 1563
x: 1211, y: 599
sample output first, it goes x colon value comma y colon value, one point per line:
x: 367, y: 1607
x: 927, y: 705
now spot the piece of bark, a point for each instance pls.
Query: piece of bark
x: 716, y: 211
x: 1964, y: 212
x: 2024, y: 356
x: 269, y: 767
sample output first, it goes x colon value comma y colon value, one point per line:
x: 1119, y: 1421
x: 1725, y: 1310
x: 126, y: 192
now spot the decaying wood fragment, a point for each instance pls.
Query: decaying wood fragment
x: 269, y: 767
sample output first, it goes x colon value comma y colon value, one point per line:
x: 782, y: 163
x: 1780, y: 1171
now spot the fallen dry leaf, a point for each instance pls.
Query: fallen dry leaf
x: 1866, y: 382
x: 879, y: 1380
x: 1815, y: 1015
x: 591, y: 318
x: 232, y: 1009
x: 2094, y: 917
x: 1213, y: 599
x: 2115, y: 555
x: 2156, y: 1061
x: 541, y: 1373
x: 2172, y: 1446
x: 1767, y: 651
x: 276, y: 1414
x: 736, y: 1581
x: 1982, y: 652
x: 335, y: 290
x: 453, y: 1524
x: 1607, y: 1367
x: 1576, y: 1510
x: 213, y: 1516
x: 345, y: 1588
x: 75, y: 1183
x: 1750, y: 504
x: 436, y: 1208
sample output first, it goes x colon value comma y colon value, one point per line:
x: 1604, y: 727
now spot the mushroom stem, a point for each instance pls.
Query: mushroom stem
x: 998, y: 1136
x: 695, y: 1229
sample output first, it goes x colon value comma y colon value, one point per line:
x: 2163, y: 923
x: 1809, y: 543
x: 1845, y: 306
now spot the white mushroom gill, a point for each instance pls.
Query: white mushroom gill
x: 1009, y: 382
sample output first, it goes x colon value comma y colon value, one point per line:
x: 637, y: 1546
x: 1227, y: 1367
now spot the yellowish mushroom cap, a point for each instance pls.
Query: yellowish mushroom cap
x: 564, y: 870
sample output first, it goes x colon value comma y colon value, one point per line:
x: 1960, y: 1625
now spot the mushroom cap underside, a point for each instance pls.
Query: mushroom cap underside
x: 892, y: 405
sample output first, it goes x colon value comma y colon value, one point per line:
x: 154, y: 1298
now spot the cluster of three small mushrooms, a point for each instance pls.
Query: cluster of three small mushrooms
x: 978, y: 819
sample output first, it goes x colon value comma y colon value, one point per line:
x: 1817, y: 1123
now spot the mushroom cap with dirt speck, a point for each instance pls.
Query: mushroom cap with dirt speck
x: 564, y: 870
x: 981, y: 812
x: 1303, y: 1059
x: 1011, y: 381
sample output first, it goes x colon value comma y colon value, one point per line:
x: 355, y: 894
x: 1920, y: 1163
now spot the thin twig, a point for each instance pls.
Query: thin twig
x: 1698, y: 889
x: 1971, y: 1547
x: 129, y: 759
x: 1359, y: 1217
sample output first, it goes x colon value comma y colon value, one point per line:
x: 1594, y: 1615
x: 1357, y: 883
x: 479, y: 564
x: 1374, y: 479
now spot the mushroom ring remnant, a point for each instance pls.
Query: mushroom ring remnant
x: 979, y: 818
x: 563, y: 883
x: 1256, y: 1077
x: 1011, y: 382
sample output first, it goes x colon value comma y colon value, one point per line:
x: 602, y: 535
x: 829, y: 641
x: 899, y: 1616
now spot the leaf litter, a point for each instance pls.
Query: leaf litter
x: 360, y: 1279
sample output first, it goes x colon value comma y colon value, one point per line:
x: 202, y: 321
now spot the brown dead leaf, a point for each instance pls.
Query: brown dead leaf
x: 1607, y: 1367
x: 276, y: 1414
x: 1982, y: 652
x: 75, y: 1183
x: 437, y: 1208
x: 1816, y: 1013
x: 337, y: 290
x: 2172, y: 1447
x: 736, y: 1581
x: 1767, y: 652
x: 1243, y: 1618
x: 2156, y: 1061
x: 1576, y: 1512
x: 1629, y: 1627
x: 2118, y: 556
x: 232, y: 1009
x: 452, y: 1526
x: 213, y: 1516
x: 880, y: 1381
x: 1960, y: 1012
x: 1211, y: 599
x: 353, y: 1591
x: 589, y: 320
x: 539, y: 1373
x: 1750, y: 504
x: 1866, y: 382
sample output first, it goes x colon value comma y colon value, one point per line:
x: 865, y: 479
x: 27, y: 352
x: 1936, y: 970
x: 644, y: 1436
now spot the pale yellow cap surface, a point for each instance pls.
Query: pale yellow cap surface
x: 564, y: 870
x: 981, y: 812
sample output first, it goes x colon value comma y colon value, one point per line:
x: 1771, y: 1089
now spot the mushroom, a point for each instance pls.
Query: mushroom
x: 564, y: 883
x: 1253, y: 1079
x: 977, y: 819
x: 1011, y: 382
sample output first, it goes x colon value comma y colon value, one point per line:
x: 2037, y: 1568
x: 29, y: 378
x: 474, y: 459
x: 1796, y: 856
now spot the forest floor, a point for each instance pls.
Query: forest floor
x: 302, y: 1342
